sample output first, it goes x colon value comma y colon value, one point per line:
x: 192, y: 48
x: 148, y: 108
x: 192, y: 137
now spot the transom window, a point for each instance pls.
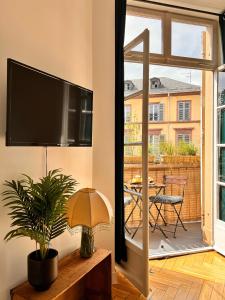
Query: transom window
x: 156, y: 111
x: 183, y: 32
x: 184, y: 110
x: 141, y: 23
x: 198, y: 37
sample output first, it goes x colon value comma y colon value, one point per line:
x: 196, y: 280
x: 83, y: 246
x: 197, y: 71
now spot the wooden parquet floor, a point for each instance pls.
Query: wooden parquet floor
x: 199, y: 276
x: 123, y: 289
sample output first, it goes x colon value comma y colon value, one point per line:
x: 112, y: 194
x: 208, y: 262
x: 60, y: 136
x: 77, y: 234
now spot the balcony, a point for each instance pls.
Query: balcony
x: 188, y: 166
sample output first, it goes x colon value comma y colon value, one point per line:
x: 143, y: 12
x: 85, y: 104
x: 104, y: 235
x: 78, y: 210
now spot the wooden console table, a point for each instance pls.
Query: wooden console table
x: 78, y: 279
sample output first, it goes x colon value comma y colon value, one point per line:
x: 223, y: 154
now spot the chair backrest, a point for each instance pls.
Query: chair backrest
x: 178, y: 180
x: 175, y: 179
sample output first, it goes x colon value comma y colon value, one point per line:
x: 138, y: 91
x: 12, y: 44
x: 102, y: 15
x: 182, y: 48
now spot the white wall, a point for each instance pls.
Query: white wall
x: 104, y: 111
x: 54, y: 36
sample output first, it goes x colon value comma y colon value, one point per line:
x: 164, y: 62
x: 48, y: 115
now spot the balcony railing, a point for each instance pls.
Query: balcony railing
x: 175, y: 165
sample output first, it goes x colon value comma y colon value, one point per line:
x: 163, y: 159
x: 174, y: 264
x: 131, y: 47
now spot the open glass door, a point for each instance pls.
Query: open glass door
x: 136, y: 141
x: 219, y: 161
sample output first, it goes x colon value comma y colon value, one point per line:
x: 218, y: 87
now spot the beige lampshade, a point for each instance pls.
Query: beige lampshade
x: 87, y: 207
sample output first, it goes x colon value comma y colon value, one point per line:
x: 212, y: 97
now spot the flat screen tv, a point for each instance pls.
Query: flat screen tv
x: 44, y: 110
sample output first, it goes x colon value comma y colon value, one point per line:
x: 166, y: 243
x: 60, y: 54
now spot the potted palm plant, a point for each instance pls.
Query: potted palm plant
x: 38, y: 211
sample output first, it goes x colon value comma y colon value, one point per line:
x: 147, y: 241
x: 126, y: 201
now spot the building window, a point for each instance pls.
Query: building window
x: 184, y: 137
x: 127, y: 113
x: 156, y: 111
x: 155, y: 83
x: 128, y: 85
x: 154, y: 139
x: 184, y: 110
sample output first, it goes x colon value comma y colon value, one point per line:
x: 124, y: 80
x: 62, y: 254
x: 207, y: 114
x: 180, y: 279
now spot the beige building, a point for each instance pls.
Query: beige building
x: 174, y: 112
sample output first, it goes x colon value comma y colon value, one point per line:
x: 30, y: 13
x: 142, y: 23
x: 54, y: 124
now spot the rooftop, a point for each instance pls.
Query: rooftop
x: 159, y: 85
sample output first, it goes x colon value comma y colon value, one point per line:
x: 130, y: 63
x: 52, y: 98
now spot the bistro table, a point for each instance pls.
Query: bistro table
x: 135, y: 189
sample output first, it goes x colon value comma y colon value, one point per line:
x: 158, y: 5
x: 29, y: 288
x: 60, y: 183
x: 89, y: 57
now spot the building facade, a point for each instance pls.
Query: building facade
x: 174, y: 112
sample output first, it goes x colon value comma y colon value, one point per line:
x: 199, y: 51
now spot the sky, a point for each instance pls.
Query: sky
x: 134, y: 71
x: 186, y: 41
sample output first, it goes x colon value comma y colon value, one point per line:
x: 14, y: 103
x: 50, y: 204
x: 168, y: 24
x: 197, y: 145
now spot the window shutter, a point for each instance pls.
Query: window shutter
x: 180, y: 111
x: 156, y: 140
x: 126, y: 137
x: 127, y: 113
x: 156, y: 144
x: 184, y: 110
x: 187, y: 111
x: 161, y: 112
x: 179, y: 138
x: 187, y: 138
x: 150, y: 112
x: 150, y: 139
x: 162, y: 138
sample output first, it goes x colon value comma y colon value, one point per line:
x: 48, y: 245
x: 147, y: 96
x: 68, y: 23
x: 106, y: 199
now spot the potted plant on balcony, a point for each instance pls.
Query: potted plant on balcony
x: 167, y: 152
x: 38, y: 211
x: 187, y: 153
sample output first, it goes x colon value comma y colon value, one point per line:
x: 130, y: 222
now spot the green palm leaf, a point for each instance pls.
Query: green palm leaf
x: 38, y: 209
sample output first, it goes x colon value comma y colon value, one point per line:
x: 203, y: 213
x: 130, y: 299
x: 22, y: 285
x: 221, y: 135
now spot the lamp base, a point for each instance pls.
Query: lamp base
x: 87, y: 242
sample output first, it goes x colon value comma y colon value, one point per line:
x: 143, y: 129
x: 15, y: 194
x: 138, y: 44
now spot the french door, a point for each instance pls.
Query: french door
x: 137, y: 266
x: 219, y: 161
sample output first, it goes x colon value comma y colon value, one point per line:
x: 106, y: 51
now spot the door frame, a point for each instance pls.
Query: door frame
x: 139, y: 256
x: 218, y: 225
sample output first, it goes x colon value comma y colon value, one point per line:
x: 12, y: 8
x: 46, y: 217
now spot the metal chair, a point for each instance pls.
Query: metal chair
x: 127, y: 201
x: 136, y: 199
x: 176, y: 202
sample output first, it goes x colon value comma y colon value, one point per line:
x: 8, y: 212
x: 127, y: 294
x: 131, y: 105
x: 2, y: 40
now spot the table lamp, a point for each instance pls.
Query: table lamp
x: 88, y: 208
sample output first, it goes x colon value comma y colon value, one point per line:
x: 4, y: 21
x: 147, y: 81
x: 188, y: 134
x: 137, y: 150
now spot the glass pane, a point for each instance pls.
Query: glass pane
x: 133, y: 73
x: 189, y: 40
x: 136, y: 25
x: 221, y: 166
x: 221, y: 88
x: 132, y: 132
x: 221, y: 126
x: 222, y: 203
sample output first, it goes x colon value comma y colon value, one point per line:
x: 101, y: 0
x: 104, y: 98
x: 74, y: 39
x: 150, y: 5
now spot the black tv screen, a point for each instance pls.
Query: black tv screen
x: 44, y: 110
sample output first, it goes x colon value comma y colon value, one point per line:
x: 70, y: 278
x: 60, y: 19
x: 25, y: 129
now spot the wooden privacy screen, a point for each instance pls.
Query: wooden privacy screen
x: 191, y: 210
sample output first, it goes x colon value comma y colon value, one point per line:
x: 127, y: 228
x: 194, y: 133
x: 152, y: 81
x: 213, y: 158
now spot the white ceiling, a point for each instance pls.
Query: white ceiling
x: 212, y: 5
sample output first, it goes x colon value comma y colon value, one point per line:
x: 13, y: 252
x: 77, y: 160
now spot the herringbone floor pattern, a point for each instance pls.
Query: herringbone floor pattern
x: 123, y: 289
x: 198, y: 276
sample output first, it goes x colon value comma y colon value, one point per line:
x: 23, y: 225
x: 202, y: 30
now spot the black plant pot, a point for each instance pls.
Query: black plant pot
x: 42, y: 273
